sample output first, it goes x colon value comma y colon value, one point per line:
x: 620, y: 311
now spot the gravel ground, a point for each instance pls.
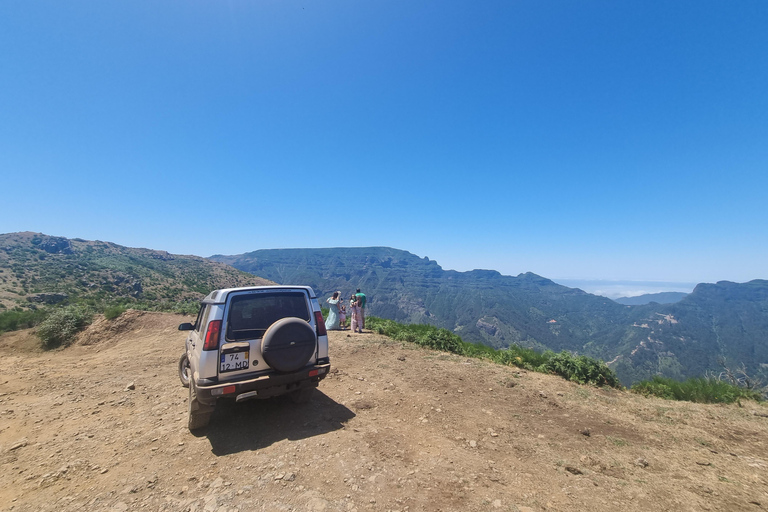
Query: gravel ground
x: 101, y: 426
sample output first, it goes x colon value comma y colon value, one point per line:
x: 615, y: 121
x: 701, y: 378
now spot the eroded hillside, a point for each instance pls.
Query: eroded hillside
x: 101, y: 426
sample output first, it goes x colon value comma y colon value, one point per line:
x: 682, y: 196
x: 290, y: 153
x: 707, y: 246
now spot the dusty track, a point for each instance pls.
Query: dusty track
x: 393, y: 428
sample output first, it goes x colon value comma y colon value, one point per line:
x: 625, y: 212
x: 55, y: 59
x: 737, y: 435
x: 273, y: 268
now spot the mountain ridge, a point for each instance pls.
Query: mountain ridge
x: 488, y: 307
x: 41, y: 269
x: 647, y: 298
x: 716, y: 323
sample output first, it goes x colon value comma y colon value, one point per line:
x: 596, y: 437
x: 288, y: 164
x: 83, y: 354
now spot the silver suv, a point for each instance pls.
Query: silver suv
x: 254, y: 342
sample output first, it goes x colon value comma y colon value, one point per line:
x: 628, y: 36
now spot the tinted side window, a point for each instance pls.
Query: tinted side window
x: 250, y: 315
x: 199, y: 316
x: 206, y: 314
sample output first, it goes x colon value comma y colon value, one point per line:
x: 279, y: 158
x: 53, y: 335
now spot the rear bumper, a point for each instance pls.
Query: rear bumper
x: 263, y: 386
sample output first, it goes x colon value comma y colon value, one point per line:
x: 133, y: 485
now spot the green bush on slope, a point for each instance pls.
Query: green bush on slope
x: 15, y: 319
x: 112, y: 312
x: 707, y: 390
x: 61, y: 325
x: 582, y: 369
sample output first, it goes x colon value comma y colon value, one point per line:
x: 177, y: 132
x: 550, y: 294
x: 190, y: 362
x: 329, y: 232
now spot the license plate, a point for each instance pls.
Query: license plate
x: 232, y: 361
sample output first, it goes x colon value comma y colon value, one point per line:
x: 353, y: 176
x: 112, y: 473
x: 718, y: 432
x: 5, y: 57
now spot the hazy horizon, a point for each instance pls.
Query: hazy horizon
x: 617, y: 289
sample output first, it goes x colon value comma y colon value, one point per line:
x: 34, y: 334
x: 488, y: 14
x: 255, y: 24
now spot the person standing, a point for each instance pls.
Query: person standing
x: 332, y: 323
x: 342, y: 314
x: 354, y: 310
x: 361, y: 304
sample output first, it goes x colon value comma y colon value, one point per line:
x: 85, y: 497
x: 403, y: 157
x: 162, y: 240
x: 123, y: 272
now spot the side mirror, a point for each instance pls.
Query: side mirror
x: 186, y: 326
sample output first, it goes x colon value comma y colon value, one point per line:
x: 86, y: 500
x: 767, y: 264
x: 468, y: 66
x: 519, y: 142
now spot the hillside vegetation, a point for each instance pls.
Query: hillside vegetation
x: 38, y: 270
x: 716, y: 322
x: 581, y: 369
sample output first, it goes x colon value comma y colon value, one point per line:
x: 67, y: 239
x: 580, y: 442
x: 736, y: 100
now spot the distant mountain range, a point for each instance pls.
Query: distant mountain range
x: 688, y: 338
x: 660, y: 298
x: 682, y: 339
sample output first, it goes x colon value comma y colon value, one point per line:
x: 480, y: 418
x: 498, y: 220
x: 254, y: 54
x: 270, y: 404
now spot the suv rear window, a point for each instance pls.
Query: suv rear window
x: 250, y: 315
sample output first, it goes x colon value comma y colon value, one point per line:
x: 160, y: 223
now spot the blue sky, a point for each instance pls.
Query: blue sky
x: 577, y: 140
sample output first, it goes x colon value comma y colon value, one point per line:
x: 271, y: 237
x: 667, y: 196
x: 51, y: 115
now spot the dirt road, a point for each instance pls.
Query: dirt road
x: 102, y: 427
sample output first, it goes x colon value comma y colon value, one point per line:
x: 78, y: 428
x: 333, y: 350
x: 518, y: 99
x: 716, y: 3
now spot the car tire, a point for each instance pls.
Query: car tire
x: 288, y: 344
x: 184, y: 370
x: 199, y: 414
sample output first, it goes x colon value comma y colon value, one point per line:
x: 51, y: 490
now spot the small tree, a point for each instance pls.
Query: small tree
x: 60, y: 327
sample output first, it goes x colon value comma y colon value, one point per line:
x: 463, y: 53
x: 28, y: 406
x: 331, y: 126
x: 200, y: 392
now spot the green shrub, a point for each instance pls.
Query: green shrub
x: 187, y: 307
x: 118, y: 307
x: 442, y: 339
x: 16, y: 319
x: 706, y: 390
x: 404, y: 335
x: 654, y: 387
x: 61, y: 325
x: 523, y: 357
x: 113, y: 312
x: 582, y: 369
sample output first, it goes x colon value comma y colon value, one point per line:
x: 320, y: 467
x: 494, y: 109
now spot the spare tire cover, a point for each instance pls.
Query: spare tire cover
x: 288, y: 344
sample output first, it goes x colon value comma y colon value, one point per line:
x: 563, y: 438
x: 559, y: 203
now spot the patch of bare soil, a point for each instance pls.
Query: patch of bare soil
x: 103, y: 331
x: 101, y: 426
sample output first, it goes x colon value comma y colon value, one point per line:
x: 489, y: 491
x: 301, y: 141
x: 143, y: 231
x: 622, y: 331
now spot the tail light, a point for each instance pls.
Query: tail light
x: 320, y: 324
x: 212, y: 335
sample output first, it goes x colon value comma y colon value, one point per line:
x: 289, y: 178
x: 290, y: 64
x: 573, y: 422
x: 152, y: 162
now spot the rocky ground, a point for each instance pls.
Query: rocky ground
x: 101, y: 426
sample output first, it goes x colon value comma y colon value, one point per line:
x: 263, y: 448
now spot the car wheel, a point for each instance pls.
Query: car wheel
x: 184, y: 370
x: 288, y: 344
x: 199, y: 414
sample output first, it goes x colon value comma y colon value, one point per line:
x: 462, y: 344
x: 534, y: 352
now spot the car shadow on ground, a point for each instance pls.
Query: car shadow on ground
x: 257, y: 424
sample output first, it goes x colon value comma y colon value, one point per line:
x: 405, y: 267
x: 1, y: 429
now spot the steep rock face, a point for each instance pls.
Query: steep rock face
x: 53, y: 244
x: 680, y: 340
x: 48, y: 298
x: 487, y: 326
